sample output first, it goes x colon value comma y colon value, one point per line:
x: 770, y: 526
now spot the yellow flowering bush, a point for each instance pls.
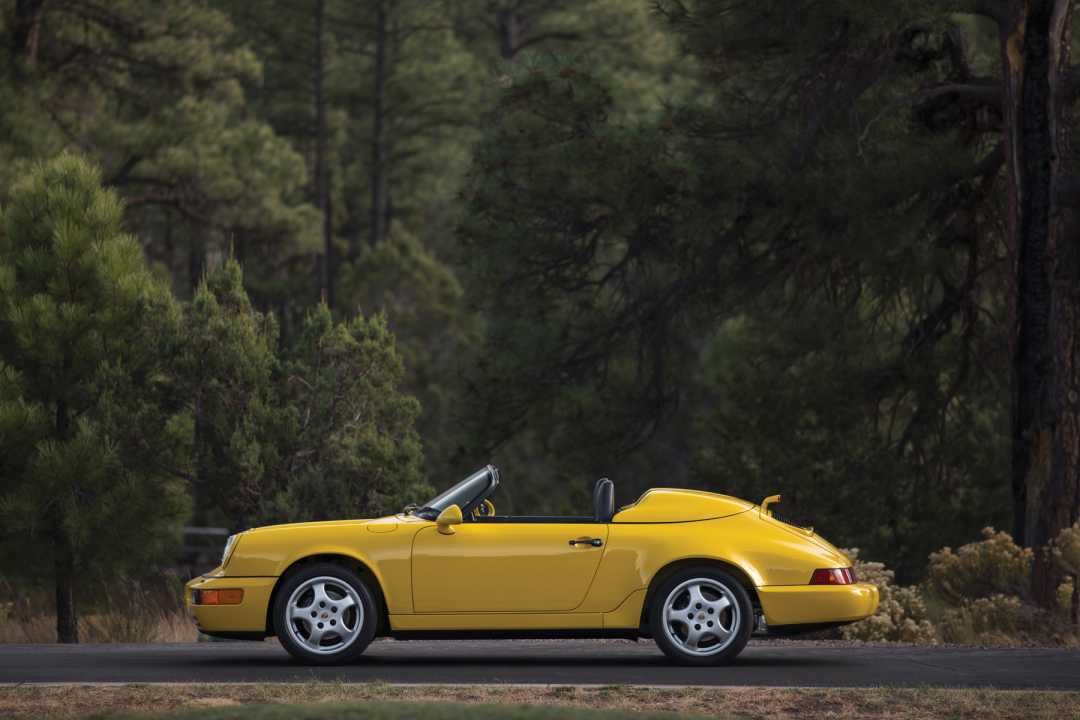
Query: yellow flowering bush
x: 1067, y: 549
x: 993, y: 566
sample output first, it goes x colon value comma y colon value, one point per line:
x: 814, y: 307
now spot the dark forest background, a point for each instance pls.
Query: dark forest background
x: 822, y: 249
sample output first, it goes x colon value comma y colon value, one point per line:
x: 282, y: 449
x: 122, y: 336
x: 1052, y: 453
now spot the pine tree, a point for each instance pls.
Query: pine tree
x: 224, y: 373
x: 344, y: 428
x: 154, y: 93
x: 89, y: 452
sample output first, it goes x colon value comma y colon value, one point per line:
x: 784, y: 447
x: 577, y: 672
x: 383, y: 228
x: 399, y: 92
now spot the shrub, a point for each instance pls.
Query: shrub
x: 901, y: 615
x: 993, y: 566
x: 997, y: 619
x: 1067, y: 554
x: 1067, y: 549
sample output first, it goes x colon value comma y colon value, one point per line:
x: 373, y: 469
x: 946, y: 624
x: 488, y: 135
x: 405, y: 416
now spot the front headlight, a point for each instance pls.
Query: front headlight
x: 229, y: 545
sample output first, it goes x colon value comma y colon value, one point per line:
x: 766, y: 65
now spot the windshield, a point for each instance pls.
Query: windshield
x: 465, y: 492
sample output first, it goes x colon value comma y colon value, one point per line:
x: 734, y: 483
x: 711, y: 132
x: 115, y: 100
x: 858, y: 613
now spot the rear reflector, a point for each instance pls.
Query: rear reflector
x: 833, y: 576
x: 232, y: 596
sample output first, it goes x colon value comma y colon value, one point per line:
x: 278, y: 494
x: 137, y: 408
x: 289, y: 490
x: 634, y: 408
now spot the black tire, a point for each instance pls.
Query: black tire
x: 742, y: 623
x: 339, y: 576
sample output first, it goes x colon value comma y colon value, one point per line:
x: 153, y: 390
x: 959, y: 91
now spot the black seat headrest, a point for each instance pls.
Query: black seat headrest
x: 603, y: 499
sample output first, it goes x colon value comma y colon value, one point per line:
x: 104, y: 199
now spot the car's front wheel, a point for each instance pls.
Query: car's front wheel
x: 325, y: 614
x: 701, y: 616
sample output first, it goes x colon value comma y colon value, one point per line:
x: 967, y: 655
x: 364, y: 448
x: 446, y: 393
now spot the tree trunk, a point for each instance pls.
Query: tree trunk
x: 196, y: 262
x: 508, y: 23
x: 1074, y: 604
x: 322, y: 184
x: 379, y: 202
x: 1060, y: 500
x: 67, y: 623
x: 26, y: 31
x: 1042, y: 245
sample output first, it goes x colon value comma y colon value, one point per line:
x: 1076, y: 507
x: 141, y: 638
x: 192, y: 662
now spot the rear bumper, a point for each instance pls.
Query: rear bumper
x: 249, y: 617
x: 816, y: 604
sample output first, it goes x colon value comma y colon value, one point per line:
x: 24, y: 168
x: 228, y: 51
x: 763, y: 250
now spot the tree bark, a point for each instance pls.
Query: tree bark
x: 508, y: 23
x: 1043, y: 248
x: 26, y: 31
x: 67, y: 623
x: 1060, y: 499
x: 379, y: 201
x: 1027, y: 160
x: 321, y: 179
x: 196, y: 262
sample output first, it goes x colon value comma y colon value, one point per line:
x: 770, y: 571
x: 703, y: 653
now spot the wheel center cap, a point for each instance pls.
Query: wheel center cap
x: 325, y: 615
x: 701, y: 616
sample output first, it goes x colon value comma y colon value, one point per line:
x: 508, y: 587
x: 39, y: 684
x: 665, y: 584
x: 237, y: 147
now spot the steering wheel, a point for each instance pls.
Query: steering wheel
x: 484, y: 509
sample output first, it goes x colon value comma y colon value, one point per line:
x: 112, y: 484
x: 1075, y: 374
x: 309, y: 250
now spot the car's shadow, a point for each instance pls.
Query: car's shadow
x: 495, y: 662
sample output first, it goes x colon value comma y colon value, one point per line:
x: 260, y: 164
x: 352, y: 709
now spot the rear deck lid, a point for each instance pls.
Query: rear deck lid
x: 665, y: 505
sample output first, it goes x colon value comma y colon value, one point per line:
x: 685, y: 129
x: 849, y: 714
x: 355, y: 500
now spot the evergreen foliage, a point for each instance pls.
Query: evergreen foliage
x: 225, y: 378
x: 345, y: 430
x: 84, y: 328
x: 779, y: 246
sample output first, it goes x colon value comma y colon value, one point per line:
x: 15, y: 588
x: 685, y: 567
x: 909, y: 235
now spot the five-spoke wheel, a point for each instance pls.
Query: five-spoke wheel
x: 324, y: 614
x: 701, y: 616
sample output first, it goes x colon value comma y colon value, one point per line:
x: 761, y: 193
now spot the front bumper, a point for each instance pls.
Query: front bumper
x: 817, y: 604
x: 250, y: 616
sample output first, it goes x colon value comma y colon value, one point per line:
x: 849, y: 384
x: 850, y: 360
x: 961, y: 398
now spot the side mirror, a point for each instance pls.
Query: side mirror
x: 448, y: 518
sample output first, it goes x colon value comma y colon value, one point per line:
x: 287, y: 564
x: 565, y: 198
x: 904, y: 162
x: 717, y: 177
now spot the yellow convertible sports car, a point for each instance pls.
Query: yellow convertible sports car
x: 695, y: 571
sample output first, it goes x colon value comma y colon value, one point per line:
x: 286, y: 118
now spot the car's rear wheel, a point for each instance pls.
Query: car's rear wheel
x: 701, y: 616
x: 325, y: 614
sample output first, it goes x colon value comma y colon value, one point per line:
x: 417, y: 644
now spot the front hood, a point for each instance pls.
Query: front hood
x: 665, y: 505
x: 312, y: 525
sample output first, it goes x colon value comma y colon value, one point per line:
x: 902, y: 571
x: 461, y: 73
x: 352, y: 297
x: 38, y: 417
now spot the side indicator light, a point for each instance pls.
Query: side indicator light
x: 232, y: 596
x: 833, y: 576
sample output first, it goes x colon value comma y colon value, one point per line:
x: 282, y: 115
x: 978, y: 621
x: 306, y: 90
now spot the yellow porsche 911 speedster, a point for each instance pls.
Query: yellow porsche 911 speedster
x: 695, y: 571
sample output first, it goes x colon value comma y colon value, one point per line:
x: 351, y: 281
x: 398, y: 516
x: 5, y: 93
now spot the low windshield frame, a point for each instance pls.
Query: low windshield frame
x: 466, y: 494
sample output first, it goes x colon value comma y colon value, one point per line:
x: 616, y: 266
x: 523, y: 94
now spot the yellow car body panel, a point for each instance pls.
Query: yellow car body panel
x: 803, y: 604
x: 471, y: 622
x: 506, y: 575
x: 667, y: 505
x: 247, y: 617
x: 505, y: 567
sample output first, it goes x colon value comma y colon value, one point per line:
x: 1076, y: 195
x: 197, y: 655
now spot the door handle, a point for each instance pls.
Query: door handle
x: 594, y: 542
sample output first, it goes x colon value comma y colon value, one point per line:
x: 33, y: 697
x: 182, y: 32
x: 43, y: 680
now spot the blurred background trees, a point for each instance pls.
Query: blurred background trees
x: 821, y: 250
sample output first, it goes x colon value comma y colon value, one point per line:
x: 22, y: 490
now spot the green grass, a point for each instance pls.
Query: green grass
x: 397, y: 711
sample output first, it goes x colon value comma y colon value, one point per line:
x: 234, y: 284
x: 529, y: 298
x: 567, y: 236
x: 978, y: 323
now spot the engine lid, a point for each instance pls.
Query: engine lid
x: 664, y: 505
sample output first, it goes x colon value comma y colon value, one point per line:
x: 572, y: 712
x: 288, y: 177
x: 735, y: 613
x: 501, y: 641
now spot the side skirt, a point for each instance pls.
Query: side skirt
x: 560, y: 634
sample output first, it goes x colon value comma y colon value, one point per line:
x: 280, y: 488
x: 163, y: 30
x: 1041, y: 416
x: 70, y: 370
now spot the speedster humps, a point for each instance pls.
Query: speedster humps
x: 695, y: 571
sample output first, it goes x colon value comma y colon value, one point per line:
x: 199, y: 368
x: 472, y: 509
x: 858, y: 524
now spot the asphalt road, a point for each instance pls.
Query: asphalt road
x: 576, y: 662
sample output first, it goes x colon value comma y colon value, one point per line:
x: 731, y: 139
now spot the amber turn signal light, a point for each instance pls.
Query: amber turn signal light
x: 232, y: 596
x: 833, y: 576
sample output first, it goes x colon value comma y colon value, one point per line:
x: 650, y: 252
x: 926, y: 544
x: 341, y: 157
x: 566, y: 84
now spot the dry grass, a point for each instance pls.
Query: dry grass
x: 149, y: 610
x: 82, y: 701
x: 102, y: 629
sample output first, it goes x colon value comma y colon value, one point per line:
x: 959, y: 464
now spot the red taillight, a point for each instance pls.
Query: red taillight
x: 833, y: 576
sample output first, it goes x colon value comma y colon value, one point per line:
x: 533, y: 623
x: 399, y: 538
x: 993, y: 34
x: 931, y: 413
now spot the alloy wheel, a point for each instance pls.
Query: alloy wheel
x: 324, y: 615
x: 701, y: 617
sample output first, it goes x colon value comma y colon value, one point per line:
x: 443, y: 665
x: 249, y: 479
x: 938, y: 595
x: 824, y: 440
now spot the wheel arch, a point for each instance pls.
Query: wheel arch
x: 671, y: 568
x: 347, y: 561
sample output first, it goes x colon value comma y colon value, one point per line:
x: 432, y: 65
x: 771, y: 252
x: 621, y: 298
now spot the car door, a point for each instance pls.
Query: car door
x: 506, y: 566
